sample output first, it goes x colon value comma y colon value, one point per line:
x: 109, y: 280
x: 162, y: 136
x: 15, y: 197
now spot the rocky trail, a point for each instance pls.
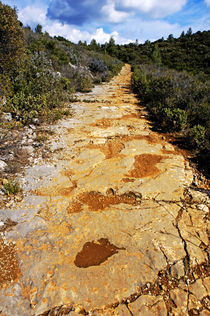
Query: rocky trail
x: 110, y: 224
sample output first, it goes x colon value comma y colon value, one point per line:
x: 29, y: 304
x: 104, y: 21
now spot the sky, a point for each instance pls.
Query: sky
x: 124, y: 20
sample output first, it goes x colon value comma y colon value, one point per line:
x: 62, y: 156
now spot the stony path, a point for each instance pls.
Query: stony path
x: 111, y: 224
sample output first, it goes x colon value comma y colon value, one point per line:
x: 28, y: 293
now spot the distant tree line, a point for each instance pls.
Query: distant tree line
x: 190, y: 52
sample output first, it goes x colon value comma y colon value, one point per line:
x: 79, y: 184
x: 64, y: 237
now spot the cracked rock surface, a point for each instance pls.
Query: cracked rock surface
x: 110, y: 224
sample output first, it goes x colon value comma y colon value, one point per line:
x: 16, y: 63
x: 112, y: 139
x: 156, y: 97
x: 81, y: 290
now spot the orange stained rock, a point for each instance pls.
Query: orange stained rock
x: 97, y: 201
x: 25, y: 290
x: 74, y: 207
x: 126, y: 180
x: 68, y: 173
x: 9, y: 268
x: 111, y: 148
x: 145, y: 166
x: 107, y: 122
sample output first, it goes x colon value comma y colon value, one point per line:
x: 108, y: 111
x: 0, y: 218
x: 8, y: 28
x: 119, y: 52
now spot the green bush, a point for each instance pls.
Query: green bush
x: 25, y: 108
x: 85, y: 84
x: 196, y: 137
x: 178, y: 101
x: 11, y: 187
x: 176, y: 119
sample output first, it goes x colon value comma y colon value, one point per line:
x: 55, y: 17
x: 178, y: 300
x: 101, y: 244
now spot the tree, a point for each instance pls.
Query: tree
x: 38, y: 29
x: 111, y: 47
x: 147, y: 42
x: 11, y: 48
x: 156, y: 57
x: 11, y: 39
x: 189, y: 32
x: 94, y: 45
x: 170, y: 37
x: 182, y: 35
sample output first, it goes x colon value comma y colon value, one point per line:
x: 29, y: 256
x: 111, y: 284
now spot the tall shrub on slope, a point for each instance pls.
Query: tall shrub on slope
x: 11, y: 46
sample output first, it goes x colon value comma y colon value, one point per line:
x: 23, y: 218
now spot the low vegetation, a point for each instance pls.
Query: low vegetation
x: 178, y: 102
x: 11, y: 187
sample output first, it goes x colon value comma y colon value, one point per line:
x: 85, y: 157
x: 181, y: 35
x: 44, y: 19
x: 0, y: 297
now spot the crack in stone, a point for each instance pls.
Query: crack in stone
x: 126, y: 304
x: 176, y: 225
x: 165, y: 256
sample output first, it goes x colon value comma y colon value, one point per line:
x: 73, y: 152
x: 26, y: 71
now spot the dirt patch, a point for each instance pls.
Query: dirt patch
x: 111, y: 148
x: 9, y: 269
x: 145, y: 166
x: 129, y: 116
x: 126, y: 180
x: 104, y: 122
x: 68, y: 173
x: 94, y: 253
x: 169, y: 152
x: 74, y: 207
x: 97, y: 201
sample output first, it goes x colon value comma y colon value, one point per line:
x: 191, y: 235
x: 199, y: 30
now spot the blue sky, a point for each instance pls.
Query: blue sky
x: 125, y: 20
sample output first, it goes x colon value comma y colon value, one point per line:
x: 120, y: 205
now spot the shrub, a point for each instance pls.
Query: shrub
x: 85, y: 84
x: 11, y: 40
x: 178, y: 101
x: 196, y: 137
x: 97, y: 65
x: 25, y: 108
x: 176, y: 119
x: 11, y: 187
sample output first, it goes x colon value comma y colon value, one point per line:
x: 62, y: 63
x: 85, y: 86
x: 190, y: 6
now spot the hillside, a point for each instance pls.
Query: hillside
x: 39, y: 73
x: 190, y: 52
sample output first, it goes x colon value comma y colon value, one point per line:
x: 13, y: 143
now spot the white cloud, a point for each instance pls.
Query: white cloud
x: 155, y: 8
x: 32, y: 15
x: 207, y: 2
x: 113, y: 15
x: 101, y: 37
x: 75, y: 35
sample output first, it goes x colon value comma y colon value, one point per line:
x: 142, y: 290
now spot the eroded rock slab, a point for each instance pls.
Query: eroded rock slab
x: 105, y: 226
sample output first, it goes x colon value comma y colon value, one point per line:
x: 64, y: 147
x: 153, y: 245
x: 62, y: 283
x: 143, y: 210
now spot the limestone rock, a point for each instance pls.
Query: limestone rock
x: 147, y: 305
x: 194, y: 303
x: 177, y: 270
x: 179, y: 297
x: 7, y: 117
x: 120, y: 310
x: 206, y: 283
x: 197, y: 196
x: 204, y: 312
x: 198, y: 289
x: 3, y: 165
